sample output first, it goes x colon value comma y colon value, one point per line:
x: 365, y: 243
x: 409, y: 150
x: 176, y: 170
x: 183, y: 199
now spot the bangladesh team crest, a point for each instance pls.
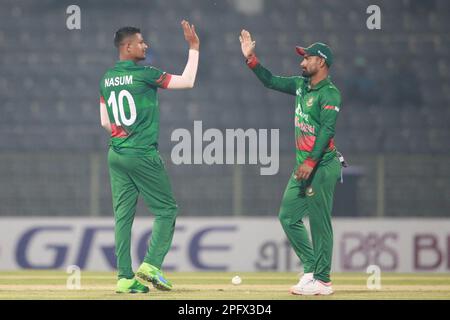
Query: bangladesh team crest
x: 310, y: 101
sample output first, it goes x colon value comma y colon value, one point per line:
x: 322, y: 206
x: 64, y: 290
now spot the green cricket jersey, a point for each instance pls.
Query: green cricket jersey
x: 130, y: 93
x: 316, y: 112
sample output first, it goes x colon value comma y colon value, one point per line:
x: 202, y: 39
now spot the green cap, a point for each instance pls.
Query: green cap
x: 317, y: 49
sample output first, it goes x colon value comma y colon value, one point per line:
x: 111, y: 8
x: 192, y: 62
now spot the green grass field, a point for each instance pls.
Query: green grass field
x: 217, y: 286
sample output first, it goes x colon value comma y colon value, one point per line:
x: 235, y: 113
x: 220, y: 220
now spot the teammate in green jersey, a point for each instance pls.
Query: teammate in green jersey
x: 129, y: 111
x: 310, y: 189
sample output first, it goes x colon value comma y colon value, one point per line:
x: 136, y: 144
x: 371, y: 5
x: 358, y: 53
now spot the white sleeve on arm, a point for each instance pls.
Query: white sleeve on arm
x: 104, y: 116
x: 187, y: 79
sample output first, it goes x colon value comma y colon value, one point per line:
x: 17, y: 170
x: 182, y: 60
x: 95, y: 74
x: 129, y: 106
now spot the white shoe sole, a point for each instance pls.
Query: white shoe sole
x: 313, y: 293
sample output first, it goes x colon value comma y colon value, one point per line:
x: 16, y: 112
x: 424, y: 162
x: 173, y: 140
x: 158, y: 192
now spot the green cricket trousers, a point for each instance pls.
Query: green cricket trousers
x: 130, y: 176
x: 313, y: 197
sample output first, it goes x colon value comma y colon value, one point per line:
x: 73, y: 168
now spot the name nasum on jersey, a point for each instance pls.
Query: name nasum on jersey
x: 118, y: 81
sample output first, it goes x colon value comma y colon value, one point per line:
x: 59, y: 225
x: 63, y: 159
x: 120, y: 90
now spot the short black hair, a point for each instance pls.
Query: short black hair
x: 123, y: 33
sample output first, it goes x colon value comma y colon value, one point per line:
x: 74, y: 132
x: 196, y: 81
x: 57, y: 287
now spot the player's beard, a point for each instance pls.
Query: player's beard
x: 308, y: 74
x: 141, y: 58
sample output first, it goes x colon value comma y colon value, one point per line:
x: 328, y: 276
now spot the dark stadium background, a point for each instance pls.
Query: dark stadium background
x: 393, y: 129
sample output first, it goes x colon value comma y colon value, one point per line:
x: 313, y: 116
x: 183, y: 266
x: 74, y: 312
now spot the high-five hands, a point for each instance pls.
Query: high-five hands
x: 247, y: 44
x: 190, y: 35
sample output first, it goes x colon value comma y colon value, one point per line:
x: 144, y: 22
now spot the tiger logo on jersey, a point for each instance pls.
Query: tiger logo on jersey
x: 310, y: 102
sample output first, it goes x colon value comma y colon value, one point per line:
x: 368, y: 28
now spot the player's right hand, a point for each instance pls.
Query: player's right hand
x: 247, y: 44
x: 190, y: 35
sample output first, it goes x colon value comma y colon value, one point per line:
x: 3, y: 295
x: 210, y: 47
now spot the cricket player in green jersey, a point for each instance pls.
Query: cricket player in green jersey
x: 129, y: 111
x: 311, y: 187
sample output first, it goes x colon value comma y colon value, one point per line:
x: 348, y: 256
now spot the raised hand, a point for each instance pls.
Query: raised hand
x: 247, y: 44
x: 190, y: 35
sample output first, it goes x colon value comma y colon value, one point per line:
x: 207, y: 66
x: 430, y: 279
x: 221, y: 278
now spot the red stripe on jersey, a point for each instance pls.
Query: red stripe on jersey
x: 118, y: 131
x: 305, y: 143
x: 164, y: 80
x: 310, y: 162
x: 252, y: 62
x: 330, y: 108
x: 331, y: 144
x: 102, y: 100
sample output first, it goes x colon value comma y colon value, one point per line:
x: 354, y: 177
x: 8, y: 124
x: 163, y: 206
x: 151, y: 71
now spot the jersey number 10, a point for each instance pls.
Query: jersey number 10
x: 118, y: 108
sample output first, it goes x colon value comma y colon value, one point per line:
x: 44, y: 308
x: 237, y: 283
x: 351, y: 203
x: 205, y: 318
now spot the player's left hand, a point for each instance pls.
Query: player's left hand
x: 247, y: 44
x: 303, y: 172
x: 190, y: 35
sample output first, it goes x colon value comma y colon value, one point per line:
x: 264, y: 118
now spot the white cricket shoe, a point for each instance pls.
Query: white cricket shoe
x: 304, y: 280
x: 315, y: 287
